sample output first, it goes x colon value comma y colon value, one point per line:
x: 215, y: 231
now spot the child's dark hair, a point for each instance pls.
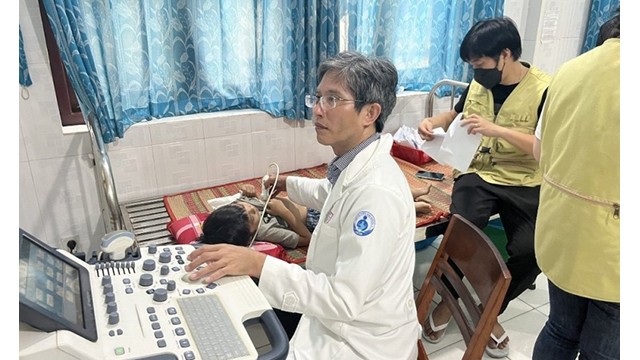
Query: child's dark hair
x: 227, y: 224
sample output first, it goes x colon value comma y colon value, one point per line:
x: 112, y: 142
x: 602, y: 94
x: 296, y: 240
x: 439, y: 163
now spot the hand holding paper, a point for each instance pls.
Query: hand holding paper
x: 455, y: 147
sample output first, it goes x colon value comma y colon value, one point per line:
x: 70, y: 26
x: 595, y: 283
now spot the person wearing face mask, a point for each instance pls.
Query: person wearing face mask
x: 503, y: 103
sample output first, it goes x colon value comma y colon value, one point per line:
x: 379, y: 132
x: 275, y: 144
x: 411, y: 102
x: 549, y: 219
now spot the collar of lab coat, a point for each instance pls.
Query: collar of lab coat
x: 363, y: 160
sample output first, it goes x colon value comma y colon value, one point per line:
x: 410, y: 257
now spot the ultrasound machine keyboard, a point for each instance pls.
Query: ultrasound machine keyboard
x: 211, y: 328
x: 141, y: 308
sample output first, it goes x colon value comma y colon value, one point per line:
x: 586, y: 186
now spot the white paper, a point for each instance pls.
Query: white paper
x: 222, y: 201
x: 455, y: 148
x: 408, y: 136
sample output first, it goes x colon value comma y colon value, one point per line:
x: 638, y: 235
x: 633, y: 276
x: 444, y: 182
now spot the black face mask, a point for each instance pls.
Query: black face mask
x: 488, y: 77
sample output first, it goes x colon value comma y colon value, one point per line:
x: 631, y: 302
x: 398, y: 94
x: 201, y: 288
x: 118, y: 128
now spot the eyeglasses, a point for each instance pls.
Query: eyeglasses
x: 327, y: 102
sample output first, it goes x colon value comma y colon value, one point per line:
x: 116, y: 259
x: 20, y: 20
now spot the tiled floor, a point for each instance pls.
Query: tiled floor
x: 522, y: 320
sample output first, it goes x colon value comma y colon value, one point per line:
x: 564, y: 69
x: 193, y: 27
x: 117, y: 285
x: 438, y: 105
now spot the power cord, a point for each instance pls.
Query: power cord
x: 271, y: 191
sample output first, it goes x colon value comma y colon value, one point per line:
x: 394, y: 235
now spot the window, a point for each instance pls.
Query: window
x: 67, y: 101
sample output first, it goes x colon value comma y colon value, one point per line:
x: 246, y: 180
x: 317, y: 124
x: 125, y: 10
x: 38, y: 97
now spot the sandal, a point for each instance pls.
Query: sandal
x: 496, y: 352
x: 435, y: 329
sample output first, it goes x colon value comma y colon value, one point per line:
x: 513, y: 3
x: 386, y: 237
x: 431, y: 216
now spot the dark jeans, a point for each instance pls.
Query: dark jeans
x: 578, y: 324
x: 477, y: 200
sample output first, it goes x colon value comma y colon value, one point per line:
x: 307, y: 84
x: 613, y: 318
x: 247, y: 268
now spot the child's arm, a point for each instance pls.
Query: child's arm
x: 248, y: 190
x: 294, y: 215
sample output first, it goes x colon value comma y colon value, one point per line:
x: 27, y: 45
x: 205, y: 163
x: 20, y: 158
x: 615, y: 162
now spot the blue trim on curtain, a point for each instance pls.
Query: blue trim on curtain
x: 599, y: 12
x: 25, y: 78
x: 135, y: 61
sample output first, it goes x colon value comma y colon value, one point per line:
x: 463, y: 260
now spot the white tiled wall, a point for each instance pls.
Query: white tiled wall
x: 59, y: 194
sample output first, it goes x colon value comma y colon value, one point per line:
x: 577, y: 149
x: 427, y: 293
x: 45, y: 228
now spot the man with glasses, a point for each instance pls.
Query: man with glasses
x: 356, y: 293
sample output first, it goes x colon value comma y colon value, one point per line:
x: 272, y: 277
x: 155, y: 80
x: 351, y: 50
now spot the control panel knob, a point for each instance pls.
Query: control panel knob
x: 165, y: 257
x: 164, y: 270
x: 146, y: 280
x: 106, y: 280
x: 160, y: 295
x: 108, y: 288
x: 171, y: 285
x: 109, y: 297
x: 112, y: 307
x: 114, y: 318
x: 149, y: 265
x: 153, y: 248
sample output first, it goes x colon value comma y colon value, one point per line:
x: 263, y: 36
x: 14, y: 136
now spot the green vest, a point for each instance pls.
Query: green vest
x: 577, y: 241
x: 497, y: 161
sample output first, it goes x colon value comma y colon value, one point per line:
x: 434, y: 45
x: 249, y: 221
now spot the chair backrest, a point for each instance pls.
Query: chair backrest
x: 480, y: 295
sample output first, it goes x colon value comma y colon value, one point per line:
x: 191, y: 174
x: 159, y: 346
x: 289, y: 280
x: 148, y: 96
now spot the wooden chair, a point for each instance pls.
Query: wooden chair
x: 480, y: 295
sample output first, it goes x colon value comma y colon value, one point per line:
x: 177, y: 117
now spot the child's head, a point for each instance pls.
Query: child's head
x: 231, y: 224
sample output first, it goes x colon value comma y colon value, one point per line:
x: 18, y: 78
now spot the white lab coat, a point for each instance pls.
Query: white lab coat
x: 356, y: 295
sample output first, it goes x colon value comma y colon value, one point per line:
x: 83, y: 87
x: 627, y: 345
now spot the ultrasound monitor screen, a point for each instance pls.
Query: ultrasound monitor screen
x: 54, y: 290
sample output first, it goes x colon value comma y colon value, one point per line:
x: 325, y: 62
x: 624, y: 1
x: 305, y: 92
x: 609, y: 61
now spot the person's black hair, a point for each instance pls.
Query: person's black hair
x: 227, y: 224
x: 489, y: 37
x: 610, y: 29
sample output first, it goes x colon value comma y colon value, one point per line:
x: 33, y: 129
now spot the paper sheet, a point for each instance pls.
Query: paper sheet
x: 222, y: 201
x: 455, y: 148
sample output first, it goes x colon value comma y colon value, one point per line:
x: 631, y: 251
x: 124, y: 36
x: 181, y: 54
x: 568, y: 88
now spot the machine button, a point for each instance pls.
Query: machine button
x: 164, y: 270
x: 114, y: 318
x: 146, y: 280
x: 171, y: 285
x: 112, y: 307
x: 165, y: 257
x: 149, y: 265
x: 160, y: 295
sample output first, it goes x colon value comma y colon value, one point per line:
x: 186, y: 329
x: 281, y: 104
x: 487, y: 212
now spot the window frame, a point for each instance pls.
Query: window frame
x: 68, y: 105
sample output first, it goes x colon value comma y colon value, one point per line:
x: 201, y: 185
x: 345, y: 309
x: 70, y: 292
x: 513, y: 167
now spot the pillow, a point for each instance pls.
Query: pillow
x: 407, y: 153
x: 188, y: 229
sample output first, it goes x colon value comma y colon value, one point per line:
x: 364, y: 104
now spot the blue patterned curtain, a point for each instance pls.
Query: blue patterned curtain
x: 25, y: 78
x: 600, y: 12
x: 131, y: 60
x: 421, y: 37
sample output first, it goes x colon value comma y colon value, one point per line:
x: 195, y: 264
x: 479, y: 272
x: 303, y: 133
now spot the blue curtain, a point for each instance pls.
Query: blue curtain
x: 599, y: 13
x: 131, y: 60
x: 25, y: 78
x: 421, y: 37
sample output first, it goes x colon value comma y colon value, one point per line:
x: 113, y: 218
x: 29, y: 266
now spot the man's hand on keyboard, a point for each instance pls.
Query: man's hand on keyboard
x: 223, y: 259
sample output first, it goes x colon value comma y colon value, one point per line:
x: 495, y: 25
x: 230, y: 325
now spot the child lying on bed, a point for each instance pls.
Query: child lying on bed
x: 285, y: 222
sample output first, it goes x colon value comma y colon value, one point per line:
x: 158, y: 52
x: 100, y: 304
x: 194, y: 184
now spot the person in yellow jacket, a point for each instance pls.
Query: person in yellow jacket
x: 502, y: 102
x: 577, y: 239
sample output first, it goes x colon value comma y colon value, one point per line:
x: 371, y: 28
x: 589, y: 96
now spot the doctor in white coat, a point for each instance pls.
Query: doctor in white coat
x: 356, y: 293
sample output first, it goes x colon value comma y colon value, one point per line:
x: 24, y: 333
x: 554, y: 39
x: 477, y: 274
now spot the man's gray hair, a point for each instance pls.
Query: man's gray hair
x: 369, y: 79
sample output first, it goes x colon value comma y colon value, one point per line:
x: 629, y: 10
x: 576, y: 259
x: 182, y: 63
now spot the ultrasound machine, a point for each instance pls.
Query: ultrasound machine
x: 141, y: 307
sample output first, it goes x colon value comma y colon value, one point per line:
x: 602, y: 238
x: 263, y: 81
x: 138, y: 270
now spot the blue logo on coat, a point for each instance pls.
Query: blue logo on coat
x: 364, y: 223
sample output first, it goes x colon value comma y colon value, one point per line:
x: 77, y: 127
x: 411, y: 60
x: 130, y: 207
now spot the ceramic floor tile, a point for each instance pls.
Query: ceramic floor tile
x: 539, y: 296
x: 453, y: 351
x: 523, y: 331
x: 544, y: 309
x: 515, y: 308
